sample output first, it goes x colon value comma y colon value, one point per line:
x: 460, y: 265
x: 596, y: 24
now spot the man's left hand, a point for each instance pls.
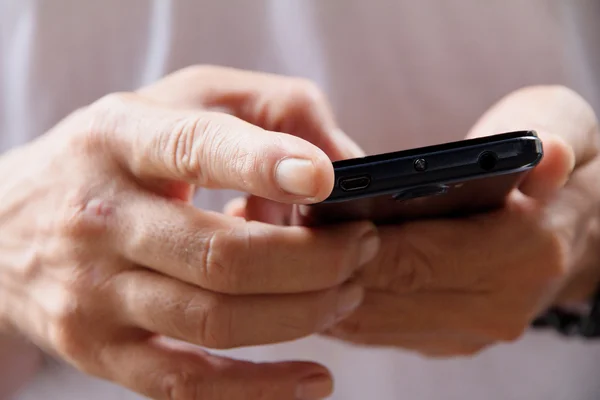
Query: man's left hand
x: 453, y: 287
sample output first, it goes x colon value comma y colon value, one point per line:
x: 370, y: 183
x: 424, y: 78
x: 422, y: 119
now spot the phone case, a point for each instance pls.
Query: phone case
x: 448, y: 180
x: 453, y: 200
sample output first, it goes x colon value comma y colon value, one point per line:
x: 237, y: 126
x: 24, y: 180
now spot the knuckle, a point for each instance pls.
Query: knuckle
x: 555, y: 258
x: 305, y: 94
x: 350, y: 328
x: 216, y: 322
x: 187, y: 243
x: 111, y: 103
x: 67, y: 330
x: 83, y: 215
x: 104, y: 113
x: 76, y: 131
x: 99, y: 120
x: 198, y: 72
x: 219, y: 251
x: 205, y: 138
x: 180, y: 385
x: 215, y: 141
x: 181, y: 147
x: 415, y: 272
x: 408, y: 265
x: 313, y: 317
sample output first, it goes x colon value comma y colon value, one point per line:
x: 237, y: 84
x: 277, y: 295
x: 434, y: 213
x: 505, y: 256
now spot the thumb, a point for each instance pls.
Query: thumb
x: 212, y: 150
x: 565, y: 123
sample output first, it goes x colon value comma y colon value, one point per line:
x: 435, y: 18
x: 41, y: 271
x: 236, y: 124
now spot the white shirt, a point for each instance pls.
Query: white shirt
x: 398, y: 73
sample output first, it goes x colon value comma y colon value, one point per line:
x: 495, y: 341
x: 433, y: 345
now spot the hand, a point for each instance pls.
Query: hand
x: 454, y: 287
x: 103, y: 257
x: 19, y: 362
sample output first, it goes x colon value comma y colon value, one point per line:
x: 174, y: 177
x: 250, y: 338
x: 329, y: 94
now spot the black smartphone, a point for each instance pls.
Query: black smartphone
x: 445, y: 180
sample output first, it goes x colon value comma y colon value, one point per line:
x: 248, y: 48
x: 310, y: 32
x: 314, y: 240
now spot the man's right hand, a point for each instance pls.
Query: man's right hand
x: 102, y: 255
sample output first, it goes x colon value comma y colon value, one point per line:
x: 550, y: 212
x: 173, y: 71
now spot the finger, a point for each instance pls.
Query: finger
x: 463, y: 254
x: 450, y: 316
x: 277, y: 103
x: 562, y: 118
x: 166, y: 371
x: 236, y: 207
x: 441, y: 344
x: 178, y: 310
x: 233, y: 256
x: 211, y: 150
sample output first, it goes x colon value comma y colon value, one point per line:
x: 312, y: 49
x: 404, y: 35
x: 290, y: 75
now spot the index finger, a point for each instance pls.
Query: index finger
x: 227, y: 255
x: 274, y: 102
x: 211, y: 150
x: 472, y: 253
x: 163, y: 369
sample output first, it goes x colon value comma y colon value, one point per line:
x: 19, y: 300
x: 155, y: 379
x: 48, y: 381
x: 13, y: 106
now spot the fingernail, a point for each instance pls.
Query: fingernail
x: 572, y: 160
x: 369, y: 247
x: 349, y: 300
x: 315, y: 387
x: 296, y: 176
x: 349, y: 146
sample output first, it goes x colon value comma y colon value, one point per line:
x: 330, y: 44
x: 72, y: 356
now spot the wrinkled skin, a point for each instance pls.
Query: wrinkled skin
x: 454, y: 287
x: 104, y: 257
